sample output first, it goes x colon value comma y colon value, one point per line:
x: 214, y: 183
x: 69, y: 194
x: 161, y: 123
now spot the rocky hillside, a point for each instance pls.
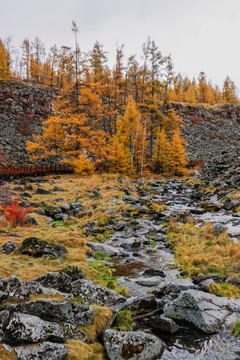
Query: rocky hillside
x: 210, y: 130
x: 23, y: 107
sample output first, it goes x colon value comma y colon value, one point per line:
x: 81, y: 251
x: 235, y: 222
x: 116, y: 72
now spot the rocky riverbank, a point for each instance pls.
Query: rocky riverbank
x: 52, y: 298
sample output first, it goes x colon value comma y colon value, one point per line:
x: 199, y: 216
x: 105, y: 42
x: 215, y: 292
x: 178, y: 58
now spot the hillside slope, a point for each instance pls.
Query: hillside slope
x: 209, y: 130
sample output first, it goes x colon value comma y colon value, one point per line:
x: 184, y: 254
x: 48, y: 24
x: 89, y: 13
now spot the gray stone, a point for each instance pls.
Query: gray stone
x: 91, y: 293
x: 16, y: 288
x: 205, y: 311
x: 57, y: 311
x: 44, y: 351
x: 132, y: 345
x: 154, y: 272
x: 29, y: 328
x: 149, y: 281
x: 106, y: 249
x: 161, y: 323
x: 9, y: 247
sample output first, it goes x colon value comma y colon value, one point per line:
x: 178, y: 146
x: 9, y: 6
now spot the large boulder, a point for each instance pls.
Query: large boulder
x: 205, y: 311
x: 44, y: 351
x: 37, y: 247
x: 57, y: 311
x: 29, y: 328
x: 91, y: 293
x: 132, y: 345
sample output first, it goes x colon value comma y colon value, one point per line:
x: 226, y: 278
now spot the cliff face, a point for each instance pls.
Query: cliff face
x: 23, y: 108
x: 209, y: 130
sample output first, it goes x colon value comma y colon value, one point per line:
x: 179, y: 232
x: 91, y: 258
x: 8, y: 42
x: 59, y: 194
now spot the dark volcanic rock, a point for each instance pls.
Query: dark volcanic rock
x: 37, y: 247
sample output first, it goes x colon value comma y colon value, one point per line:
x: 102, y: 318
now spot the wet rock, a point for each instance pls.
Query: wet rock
x: 154, y: 272
x: 44, y: 351
x: 205, y: 311
x: 57, y: 311
x: 149, y: 281
x: 132, y: 243
x: 29, y: 328
x: 37, y: 247
x: 161, y: 323
x: 92, y: 293
x: 9, y: 247
x: 200, y: 278
x: 106, y: 249
x: 132, y: 345
x: 174, y: 287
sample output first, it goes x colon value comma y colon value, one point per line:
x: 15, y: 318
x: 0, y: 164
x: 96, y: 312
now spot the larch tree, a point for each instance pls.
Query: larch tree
x: 26, y: 54
x: 4, y: 66
x: 177, y: 155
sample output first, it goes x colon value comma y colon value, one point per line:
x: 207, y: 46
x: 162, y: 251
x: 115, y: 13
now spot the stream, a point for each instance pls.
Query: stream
x: 188, y: 343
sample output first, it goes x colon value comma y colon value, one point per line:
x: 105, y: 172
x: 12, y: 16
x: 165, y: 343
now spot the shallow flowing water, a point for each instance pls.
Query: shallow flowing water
x: 188, y: 343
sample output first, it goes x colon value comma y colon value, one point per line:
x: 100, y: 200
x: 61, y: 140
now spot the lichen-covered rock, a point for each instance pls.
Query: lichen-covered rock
x: 56, y: 279
x: 16, y: 288
x: 57, y: 311
x: 37, y: 247
x: 29, y: 328
x: 205, y: 311
x: 9, y: 247
x: 44, y: 351
x: 132, y: 345
x: 106, y: 249
x: 91, y: 293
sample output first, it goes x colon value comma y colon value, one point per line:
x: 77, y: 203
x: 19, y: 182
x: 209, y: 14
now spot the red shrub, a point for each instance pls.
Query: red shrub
x: 15, y: 214
x: 220, y: 137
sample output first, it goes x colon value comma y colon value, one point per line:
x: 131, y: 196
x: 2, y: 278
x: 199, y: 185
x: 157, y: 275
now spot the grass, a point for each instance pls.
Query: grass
x: 79, y: 350
x: 235, y: 328
x: 123, y: 321
x: 102, y: 317
x: 199, y: 251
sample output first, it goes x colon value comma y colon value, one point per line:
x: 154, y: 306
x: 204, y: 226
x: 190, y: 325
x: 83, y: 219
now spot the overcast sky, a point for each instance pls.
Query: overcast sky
x: 201, y: 35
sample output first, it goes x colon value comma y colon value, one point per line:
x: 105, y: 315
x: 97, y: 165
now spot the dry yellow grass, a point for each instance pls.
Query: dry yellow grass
x: 199, y: 251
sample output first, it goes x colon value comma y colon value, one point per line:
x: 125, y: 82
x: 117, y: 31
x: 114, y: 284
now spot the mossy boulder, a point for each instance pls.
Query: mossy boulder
x: 36, y: 247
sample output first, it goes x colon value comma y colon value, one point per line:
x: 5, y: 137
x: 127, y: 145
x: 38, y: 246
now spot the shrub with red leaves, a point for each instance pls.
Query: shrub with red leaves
x: 15, y: 214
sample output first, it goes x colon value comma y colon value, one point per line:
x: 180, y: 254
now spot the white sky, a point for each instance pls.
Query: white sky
x: 201, y: 35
